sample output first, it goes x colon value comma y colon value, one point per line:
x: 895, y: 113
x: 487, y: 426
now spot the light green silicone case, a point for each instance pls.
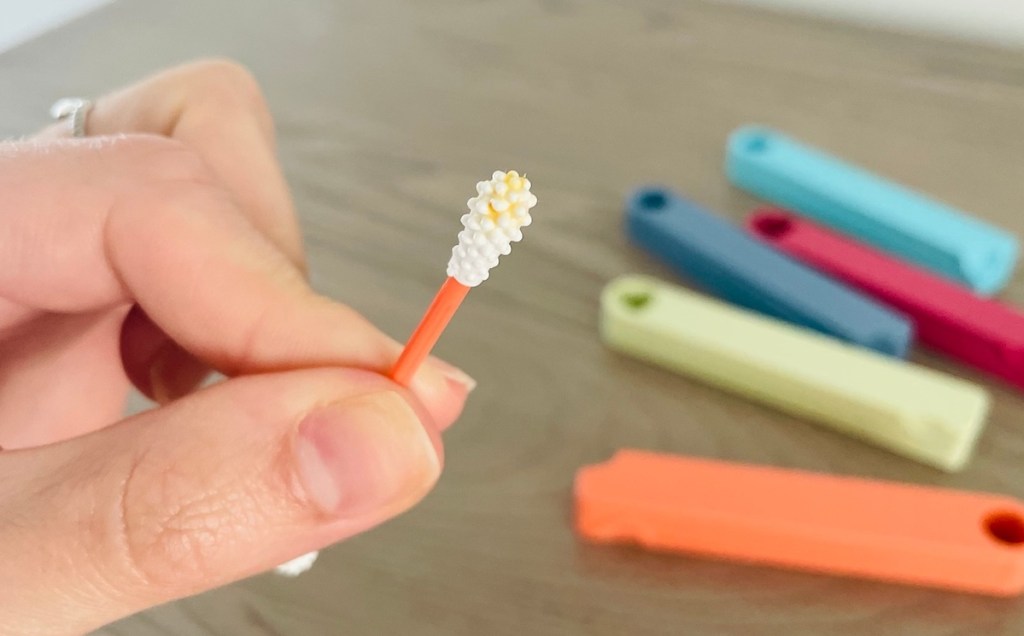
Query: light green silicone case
x: 922, y: 414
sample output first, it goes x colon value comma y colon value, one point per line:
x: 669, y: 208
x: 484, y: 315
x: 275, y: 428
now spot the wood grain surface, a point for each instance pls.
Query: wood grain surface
x: 388, y: 113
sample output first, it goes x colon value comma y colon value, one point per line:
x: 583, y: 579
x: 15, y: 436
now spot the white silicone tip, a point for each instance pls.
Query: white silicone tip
x: 495, y: 220
x: 298, y: 565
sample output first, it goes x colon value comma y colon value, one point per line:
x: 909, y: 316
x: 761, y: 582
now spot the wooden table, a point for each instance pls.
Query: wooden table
x: 390, y: 111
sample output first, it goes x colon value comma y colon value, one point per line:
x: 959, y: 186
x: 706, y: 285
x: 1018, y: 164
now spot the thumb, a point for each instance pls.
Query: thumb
x: 225, y: 483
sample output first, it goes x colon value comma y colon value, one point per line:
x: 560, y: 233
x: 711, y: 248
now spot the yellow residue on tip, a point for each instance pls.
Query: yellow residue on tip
x: 512, y: 182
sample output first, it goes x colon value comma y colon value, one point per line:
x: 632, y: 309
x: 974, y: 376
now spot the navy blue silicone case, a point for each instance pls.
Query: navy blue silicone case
x: 725, y: 261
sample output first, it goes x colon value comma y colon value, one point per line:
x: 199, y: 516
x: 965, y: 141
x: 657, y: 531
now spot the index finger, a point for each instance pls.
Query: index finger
x: 216, y: 108
x: 95, y: 223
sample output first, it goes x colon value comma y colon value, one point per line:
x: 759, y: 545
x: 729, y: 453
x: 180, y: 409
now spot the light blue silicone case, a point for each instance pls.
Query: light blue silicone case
x: 877, y: 211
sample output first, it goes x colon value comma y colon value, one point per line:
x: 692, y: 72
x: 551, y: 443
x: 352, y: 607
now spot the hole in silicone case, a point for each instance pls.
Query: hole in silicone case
x: 1006, y: 527
x: 756, y: 143
x: 985, y: 267
x: 653, y: 200
x: 772, y: 226
x: 636, y: 300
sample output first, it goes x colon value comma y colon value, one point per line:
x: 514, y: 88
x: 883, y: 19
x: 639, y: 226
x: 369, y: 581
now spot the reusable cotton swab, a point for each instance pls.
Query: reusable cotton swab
x: 496, y: 217
x: 497, y: 214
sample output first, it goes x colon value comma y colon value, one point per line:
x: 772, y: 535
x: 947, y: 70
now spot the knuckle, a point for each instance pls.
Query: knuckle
x: 227, y: 81
x: 225, y: 71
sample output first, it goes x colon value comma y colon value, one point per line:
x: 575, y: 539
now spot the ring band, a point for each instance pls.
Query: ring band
x: 75, y: 110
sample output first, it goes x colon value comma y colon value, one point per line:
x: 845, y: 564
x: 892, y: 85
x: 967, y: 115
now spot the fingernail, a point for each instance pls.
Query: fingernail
x: 456, y: 377
x: 364, y: 454
x: 159, y: 376
x: 161, y: 394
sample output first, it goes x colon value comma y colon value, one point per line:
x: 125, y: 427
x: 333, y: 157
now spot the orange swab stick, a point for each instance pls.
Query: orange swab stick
x: 495, y: 220
x: 904, y: 533
x: 429, y: 330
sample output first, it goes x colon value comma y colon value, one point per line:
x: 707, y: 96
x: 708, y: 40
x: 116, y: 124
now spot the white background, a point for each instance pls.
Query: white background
x: 996, y: 22
x: 23, y: 19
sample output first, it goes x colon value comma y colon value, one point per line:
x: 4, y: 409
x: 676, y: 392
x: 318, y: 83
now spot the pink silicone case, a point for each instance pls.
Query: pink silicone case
x: 981, y: 332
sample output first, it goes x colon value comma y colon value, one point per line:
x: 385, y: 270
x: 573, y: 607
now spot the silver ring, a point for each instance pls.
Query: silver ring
x: 75, y: 110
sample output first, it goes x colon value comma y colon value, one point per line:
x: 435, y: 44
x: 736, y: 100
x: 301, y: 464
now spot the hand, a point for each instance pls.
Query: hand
x: 160, y: 248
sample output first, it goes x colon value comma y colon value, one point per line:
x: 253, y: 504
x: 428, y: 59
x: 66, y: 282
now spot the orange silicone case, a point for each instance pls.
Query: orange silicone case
x: 840, y: 525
